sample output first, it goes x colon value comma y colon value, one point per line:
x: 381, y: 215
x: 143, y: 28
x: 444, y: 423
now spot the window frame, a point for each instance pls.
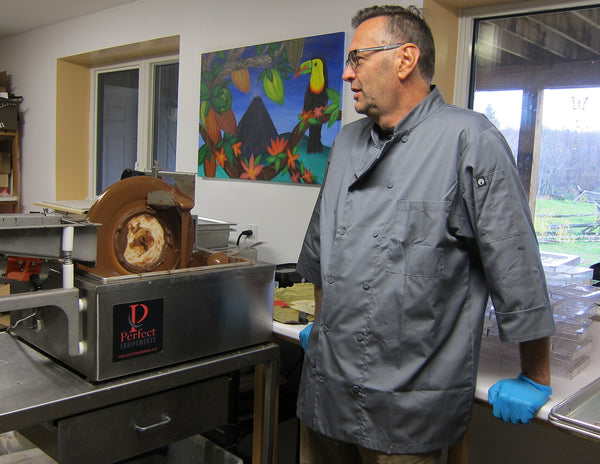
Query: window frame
x: 466, y: 22
x: 145, y: 127
x: 464, y: 59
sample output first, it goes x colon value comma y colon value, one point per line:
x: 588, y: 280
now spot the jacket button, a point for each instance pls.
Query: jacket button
x: 404, y: 138
x: 331, y: 279
x: 366, y: 285
x: 360, y: 337
x: 355, y: 389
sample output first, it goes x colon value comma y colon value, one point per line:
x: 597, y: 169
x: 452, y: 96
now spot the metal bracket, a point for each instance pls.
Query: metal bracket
x: 66, y: 299
x: 184, y: 181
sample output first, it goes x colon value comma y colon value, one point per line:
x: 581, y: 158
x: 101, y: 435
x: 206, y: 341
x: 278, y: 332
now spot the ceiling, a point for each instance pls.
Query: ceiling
x: 17, y: 16
x: 542, y: 38
x: 561, y: 47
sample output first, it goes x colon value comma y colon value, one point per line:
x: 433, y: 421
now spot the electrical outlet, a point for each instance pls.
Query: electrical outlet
x: 254, y: 229
x: 244, y: 240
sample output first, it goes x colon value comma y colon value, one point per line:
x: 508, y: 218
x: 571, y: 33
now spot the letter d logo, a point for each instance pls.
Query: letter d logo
x: 135, y: 321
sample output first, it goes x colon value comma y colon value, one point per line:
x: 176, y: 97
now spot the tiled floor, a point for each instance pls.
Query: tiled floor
x: 14, y: 449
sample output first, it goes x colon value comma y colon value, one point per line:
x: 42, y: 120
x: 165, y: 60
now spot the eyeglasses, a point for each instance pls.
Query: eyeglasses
x: 353, y: 57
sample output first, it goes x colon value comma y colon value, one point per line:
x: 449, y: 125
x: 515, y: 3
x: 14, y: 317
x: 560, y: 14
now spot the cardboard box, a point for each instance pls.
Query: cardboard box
x: 5, y: 163
x: 4, y: 181
x: 9, y: 115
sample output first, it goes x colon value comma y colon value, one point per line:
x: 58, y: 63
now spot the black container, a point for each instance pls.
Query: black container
x: 286, y: 275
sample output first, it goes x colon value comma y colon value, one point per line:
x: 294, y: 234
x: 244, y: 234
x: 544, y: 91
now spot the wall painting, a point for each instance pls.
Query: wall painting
x: 270, y: 112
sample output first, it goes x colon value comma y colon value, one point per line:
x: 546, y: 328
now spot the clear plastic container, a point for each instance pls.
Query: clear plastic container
x: 569, y: 351
x: 566, y: 369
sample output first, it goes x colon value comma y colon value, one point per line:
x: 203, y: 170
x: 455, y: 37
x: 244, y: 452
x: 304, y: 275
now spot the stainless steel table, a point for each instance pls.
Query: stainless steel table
x: 113, y: 420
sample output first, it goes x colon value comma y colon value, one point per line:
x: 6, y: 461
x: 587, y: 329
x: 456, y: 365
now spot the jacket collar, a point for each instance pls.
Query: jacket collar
x: 379, y: 145
x: 415, y: 117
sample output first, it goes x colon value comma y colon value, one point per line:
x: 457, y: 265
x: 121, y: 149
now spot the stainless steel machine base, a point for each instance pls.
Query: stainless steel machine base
x: 139, y: 322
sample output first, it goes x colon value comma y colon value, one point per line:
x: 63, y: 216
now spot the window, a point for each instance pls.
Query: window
x: 164, y: 134
x: 117, y: 125
x: 135, y: 119
x: 535, y: 75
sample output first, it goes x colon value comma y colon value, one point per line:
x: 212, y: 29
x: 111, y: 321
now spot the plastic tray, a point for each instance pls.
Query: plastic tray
x: 580, y: 412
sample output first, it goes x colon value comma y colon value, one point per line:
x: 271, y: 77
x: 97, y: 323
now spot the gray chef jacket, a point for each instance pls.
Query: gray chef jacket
x: 408, y: 238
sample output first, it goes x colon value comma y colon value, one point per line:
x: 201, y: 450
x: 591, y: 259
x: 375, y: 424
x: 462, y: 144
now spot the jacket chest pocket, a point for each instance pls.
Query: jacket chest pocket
x: 415, y: 238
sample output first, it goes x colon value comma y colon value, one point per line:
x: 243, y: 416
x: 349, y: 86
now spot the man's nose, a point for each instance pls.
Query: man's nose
x: 349, y: 73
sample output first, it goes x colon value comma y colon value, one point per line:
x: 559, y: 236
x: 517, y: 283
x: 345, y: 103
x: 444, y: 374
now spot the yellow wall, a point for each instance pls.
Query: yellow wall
x: 444, y: 26
x: 443, y: 17
x: 73, y: 80
x: 72, y: 130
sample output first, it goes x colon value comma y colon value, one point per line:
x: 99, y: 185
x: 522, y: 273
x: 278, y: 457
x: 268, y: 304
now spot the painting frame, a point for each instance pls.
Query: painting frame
x: 270, y: 112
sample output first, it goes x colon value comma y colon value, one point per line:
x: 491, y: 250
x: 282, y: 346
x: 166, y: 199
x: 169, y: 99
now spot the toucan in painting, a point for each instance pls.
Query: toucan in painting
x: 315, y: 98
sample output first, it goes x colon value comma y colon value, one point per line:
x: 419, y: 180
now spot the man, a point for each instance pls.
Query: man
x: 421, y: 217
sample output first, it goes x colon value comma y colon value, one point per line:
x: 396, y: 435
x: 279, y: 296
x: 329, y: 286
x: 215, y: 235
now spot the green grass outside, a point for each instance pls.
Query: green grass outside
x: 567, y: 236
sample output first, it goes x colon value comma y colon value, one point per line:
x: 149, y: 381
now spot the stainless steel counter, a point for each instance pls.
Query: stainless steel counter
x: 151, y: 408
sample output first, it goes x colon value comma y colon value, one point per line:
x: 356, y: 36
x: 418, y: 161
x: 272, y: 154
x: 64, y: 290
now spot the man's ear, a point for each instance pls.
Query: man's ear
x: 407, y: 60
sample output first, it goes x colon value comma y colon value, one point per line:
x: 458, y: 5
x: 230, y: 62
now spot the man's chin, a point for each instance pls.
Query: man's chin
x: 360, y: 109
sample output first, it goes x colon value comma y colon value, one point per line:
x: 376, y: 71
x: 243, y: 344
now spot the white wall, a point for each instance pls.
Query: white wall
x: 203, y: 26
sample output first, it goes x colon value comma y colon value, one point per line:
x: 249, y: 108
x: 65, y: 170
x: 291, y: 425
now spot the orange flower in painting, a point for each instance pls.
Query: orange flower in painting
x: 251, y: 170
x: 221, y: 157
x: 295, y: 177
x: 304, y: 117
x: 307, y: 176
x: 277, y: 146
x: 236, y: 148
x: 318, y: 111
x: 291, y: 158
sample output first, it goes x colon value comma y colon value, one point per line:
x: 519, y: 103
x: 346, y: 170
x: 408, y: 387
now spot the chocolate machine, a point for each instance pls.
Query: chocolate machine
x: 124, y: 289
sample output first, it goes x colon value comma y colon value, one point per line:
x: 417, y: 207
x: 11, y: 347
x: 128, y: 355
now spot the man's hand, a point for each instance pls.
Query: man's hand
x: 303, y: 335
x: 518, y: 400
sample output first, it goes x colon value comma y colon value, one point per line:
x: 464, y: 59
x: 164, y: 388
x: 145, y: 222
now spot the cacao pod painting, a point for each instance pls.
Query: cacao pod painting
x: 270, y: 112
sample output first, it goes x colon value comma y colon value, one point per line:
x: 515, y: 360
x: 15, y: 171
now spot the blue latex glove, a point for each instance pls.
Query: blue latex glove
x: 303, y: 335
x: 517, y: 400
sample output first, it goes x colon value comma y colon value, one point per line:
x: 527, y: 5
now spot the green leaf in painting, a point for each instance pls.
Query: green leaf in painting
x: 335, y: 115
x: 202, y: 151
x: 334, y: 96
